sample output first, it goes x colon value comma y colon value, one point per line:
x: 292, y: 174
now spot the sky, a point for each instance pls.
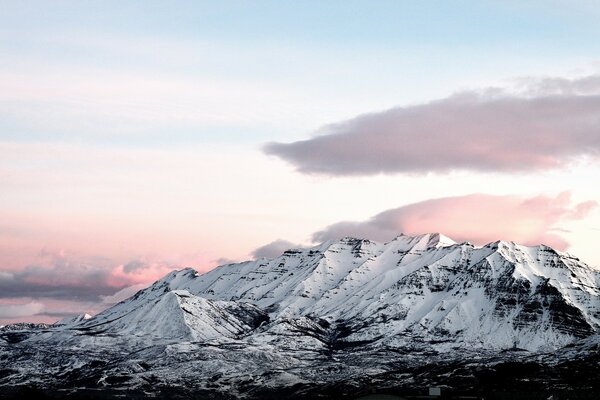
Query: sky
x: 144, y: 136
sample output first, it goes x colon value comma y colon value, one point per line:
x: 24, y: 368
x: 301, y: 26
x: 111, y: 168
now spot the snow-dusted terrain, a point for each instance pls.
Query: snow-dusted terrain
x: 337, y: 318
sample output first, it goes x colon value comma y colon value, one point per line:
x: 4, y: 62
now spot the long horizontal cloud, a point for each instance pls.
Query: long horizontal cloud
x: 21, y: 310
x: 478, y: 218
x: 60, y: 281
x: 66, y: 277
x: 60, y: 284
x: 554, y: 122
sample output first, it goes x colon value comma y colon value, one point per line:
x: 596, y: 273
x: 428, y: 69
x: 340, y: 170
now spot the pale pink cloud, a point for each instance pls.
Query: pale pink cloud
x: 478, y: 218
x: 555, y: 122
x: 143, y: 271
x: 122, y: 236
x: 274, y: 248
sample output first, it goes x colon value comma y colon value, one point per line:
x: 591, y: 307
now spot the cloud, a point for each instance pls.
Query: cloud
x: 550, y: 124
x: 21, y: 310
x: 134, y: 265
x: 274, y: 249
x: 58, y: 275
x: 68, y: 284
x: 478, y: 218
x: 61, y: 281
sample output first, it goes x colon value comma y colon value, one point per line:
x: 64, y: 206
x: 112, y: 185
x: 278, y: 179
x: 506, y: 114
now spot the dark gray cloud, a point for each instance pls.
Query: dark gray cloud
x: 68, y: 284
x: 274, y: 249
x: 64, y: 280
x: 63, y: 276
x: 552, y: 123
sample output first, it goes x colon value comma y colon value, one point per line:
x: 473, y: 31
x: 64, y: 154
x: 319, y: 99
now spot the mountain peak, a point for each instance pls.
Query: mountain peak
x: 179, y: 275
x: 424, y: 283
x: 420, y: 295
x: 67, y: 321
x: 437, y: 239
x: 425, y: 241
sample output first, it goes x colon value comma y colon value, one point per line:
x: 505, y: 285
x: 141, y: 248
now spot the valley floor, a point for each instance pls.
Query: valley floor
x: 200, y: 371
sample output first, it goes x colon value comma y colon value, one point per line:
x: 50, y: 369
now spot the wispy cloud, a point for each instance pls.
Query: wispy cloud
x: 550, y: 124
x: 121, y: 88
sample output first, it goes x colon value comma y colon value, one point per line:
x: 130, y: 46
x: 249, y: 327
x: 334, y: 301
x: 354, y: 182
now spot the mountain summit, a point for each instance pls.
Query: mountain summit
x: 498, y: 296
x: 293, y: 319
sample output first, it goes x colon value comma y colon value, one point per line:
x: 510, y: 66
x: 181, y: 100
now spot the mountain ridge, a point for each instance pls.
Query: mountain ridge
x: 320, y: 280
x: 324, y: 315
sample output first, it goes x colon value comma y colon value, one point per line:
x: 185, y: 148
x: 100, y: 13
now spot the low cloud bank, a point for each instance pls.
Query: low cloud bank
x: 477, y: 218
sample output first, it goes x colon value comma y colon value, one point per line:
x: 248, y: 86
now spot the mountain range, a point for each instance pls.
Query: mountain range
x: 343, y: 318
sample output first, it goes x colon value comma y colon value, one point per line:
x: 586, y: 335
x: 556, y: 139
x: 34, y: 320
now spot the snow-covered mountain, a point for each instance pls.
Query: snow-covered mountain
x: 167, y: 313
x: 498, y: 296
x: 283, y: 321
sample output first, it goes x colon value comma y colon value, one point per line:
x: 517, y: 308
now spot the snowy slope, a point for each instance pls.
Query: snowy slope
x: 413, y: 289
x: 344, y: 311
x: 175, y: 314
x: 501, y: 295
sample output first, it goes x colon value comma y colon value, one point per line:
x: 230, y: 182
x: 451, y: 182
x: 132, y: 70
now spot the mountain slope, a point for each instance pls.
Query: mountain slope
x: 337, y: 318
x: 175, y: 314
x: 501, y: 295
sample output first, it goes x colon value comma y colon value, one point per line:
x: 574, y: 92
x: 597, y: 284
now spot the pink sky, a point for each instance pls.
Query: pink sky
x: 44, y: 281
x: 136, y: 140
